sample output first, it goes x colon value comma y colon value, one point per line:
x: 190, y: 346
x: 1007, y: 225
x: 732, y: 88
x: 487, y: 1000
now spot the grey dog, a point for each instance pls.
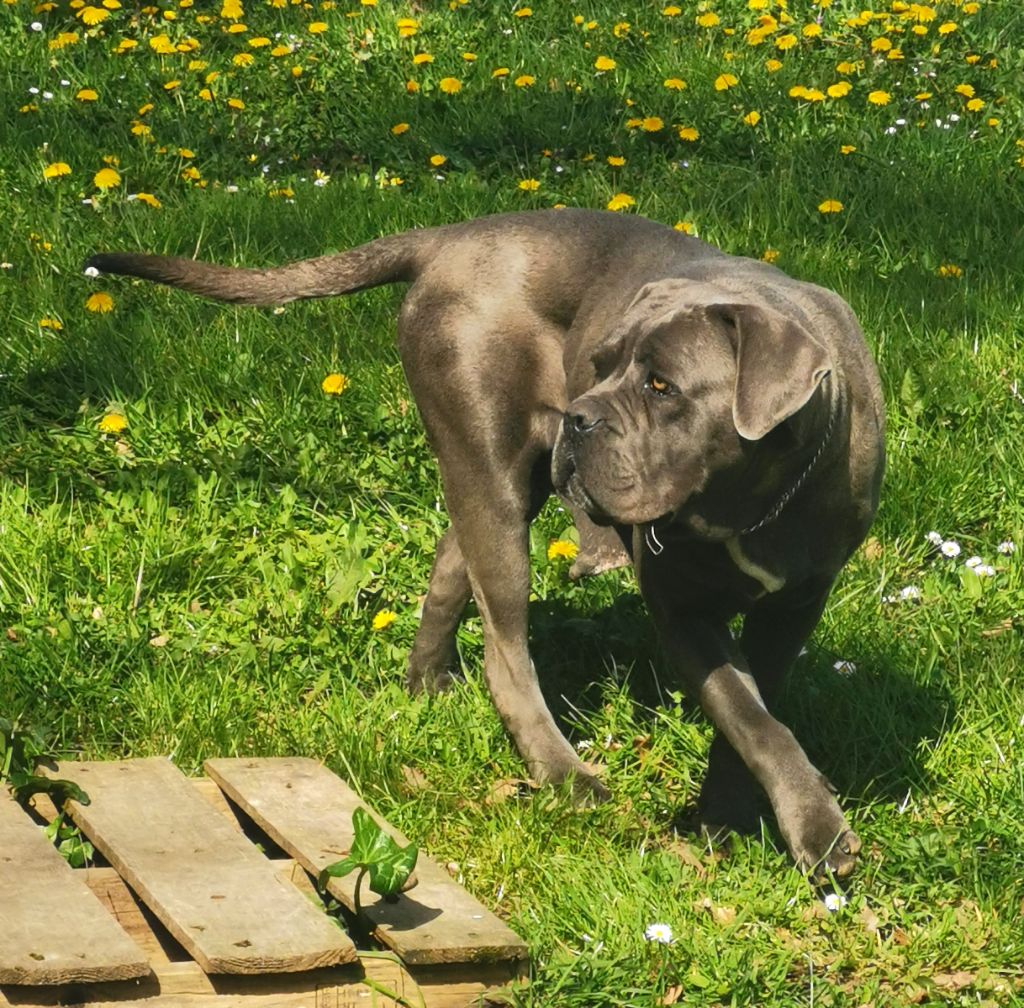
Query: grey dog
x: 704, y: 415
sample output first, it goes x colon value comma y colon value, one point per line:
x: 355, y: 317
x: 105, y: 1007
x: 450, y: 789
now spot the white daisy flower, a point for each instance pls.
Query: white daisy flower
x: 950, y: 548
x: 660, y: 933
x: 1006, y: 547
x: 910, y: 592
x: 845, y: 668
x: 934, y: 538
x: 834, y: 901
x: 972, y: 562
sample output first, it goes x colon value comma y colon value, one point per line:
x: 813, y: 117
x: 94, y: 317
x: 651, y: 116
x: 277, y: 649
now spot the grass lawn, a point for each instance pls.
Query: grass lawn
x: 204, y: 553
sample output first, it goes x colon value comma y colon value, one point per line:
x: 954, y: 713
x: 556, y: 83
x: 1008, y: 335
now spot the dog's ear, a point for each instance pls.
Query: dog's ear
x: 779, y: 364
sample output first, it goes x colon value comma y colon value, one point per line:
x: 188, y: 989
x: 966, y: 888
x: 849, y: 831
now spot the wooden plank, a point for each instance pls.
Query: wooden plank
x: 209, y: 886
x: 52, y: 928
x: 307, y: 811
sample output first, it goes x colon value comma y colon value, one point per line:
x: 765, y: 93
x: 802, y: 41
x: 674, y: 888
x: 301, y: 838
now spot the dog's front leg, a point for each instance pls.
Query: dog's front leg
x: 716, y: 674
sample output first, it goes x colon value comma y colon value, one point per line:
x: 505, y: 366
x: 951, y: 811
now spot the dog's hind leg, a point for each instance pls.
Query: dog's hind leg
x: 434, y: 660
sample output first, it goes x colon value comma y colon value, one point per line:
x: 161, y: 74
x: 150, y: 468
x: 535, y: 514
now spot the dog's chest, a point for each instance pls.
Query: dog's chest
x: 716, y: 575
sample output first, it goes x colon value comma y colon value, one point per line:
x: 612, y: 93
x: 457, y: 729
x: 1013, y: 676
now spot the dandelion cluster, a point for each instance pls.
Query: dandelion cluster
x: 355, y: 81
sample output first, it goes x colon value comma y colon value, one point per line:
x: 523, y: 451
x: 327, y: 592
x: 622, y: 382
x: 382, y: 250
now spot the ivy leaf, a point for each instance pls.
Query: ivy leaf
x: 375, y: 852
x: 25, y: 785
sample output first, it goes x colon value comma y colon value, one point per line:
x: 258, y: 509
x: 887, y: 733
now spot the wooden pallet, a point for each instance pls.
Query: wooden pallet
x: 191, y: 913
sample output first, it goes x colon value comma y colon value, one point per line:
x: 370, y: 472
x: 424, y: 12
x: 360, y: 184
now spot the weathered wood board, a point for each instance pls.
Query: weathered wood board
x: 307, y: 811
x: 209, y: 886
x: 53, y: 929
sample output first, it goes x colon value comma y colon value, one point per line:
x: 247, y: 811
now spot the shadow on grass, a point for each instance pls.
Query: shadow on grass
x: 867, y: 730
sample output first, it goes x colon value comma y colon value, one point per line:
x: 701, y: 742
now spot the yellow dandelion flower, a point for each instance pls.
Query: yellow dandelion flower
x: 770, y: 255
x: 63, y: 39
x: 687, y: 227
x: 51, y: 323
x: 772, y: 65
x: 260, y: 42
x: 420, y: 58
x: 437, y: 160
x: 334, y: 384
x: 384, y: 619
x: 100, y: 302
x: 840, y: 89
x: 620, y: 201
x: 879, y: 97
x: 469, y: 57
x: 407, y: 27
x: 652, y: 124
x: 232, y: 10
x: 688, y: 133
x: 237, y: 28
x: 604, y: 63
x: 236, y: 103
x: 124, y: 45
x: 784, y: 42
x: 950, y: 270
x: 671, y: 11
x: 562, y: 549
x: 399, y: 128
x: 113, y: 423
x: 615, y: 160
x: 725, y: 81
x: 975, y: 105
x: 450, y: 85
x: 172, y: 84
x: 674, y: 84
x: 500, y: 72
x: 881, y: 44
x: 708, y: 20
x: 752, y: 118
x: 812, y: 30
x: 56, y: 169
x: 964, y: 89
x: 525, y: 81
x: 830, y: 206
x: 847, y: 149
x: 846, y: 68
x: 317, y: 27
x: 947, y: 28
x: 243, y: 59
x: 529, y: 184
x: 106, y: 178
x: 149, y: 199
x: 93, y: 15
x: 86, y: 95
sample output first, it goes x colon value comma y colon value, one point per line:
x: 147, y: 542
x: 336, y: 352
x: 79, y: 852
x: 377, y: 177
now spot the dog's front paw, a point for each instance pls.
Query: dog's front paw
x: 824, y: 846
x: 839, y: 861
x: 588, y: 790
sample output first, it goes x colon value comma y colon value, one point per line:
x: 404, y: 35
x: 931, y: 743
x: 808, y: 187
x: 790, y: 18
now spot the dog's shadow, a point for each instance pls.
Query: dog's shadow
x: 867, y: 726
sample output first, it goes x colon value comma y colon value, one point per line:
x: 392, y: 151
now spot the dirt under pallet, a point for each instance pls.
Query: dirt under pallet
x: 193, y: 913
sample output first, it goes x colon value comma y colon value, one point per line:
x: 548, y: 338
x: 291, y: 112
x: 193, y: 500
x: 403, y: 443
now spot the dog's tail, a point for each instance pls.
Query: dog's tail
x: 393, y: 259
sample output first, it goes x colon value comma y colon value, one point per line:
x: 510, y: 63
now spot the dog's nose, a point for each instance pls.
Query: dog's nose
x: 581, y: 423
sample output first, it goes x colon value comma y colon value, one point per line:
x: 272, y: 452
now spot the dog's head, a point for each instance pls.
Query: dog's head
x: 685, y: 388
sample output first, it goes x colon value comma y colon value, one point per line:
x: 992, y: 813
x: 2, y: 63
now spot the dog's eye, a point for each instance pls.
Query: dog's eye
x: 659, y: 386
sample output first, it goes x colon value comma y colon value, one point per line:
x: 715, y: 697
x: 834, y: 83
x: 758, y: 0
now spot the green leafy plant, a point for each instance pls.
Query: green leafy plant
x: 376, y: 854
x: 70, y: 843
x: 22, y: 751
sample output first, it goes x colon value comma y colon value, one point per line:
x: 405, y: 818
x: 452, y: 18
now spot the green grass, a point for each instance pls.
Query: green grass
x: 205, y: 582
